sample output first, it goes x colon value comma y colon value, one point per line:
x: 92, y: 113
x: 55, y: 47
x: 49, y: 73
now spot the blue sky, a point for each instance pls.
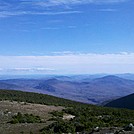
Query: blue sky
x: 52, y: 29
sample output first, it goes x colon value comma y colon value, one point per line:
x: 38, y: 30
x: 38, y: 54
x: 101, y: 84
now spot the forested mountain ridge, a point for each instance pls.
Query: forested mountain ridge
x: 123, y: 102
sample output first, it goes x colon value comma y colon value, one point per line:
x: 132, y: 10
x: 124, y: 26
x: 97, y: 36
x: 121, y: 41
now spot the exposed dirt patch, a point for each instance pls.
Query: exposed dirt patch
x: 8, y: 109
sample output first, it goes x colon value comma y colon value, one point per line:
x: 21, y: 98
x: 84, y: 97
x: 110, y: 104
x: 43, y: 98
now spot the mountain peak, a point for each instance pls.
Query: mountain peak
x: 109, y: 78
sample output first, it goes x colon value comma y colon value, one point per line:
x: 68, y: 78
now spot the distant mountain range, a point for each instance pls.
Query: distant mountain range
x: 123, y: 102
x: 82, y: 88
x: 80, y: 77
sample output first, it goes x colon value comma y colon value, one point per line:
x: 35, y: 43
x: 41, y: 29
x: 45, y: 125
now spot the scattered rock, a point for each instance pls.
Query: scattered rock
x: 96, y: 129
x: 68, y: 117
x: 129, y: 127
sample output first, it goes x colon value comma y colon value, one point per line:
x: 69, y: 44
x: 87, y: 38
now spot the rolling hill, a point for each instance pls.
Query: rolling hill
x: 5, y: 85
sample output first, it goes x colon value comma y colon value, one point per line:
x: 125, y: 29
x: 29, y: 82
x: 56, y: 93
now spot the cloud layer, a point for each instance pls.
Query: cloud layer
x: 69, y: 63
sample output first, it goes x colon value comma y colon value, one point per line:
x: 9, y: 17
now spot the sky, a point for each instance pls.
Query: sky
x: 66, y: 36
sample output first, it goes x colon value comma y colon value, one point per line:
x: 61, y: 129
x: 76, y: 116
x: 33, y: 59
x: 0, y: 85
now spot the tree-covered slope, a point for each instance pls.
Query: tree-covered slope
x: 37, y: 98
x: 124, y: 102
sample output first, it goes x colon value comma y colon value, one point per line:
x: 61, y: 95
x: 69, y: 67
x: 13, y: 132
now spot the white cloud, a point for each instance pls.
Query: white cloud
x: 29, y: 7
x: 50, y: 28
x: 18, y: 13
x: 30, y: 69
x: 107, y: 10
x: 1, y: 69
x: 44, y: 69
x: 74, y: 2
x: 7, y: 13
x: 20, y: 69
x: 58, y: 28
x: 65, y: 53
x: 70, y: 63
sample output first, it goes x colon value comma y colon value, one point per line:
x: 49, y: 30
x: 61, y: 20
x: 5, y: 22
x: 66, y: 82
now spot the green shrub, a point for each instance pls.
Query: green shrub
x: 25, y: 118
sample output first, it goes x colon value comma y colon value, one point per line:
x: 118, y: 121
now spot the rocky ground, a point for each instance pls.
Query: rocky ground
x: 128, y: 129
x: 9, y: 109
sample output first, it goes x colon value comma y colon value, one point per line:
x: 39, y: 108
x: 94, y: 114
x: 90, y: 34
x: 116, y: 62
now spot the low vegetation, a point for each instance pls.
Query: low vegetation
x: 86, y: 117
x: 25, y: 118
